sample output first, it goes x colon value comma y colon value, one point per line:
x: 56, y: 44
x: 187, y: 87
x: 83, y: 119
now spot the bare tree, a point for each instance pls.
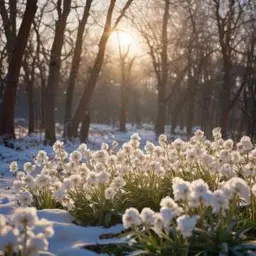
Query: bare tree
x: 9, y: 98
x: 54, y: 69
x: 76, y: 61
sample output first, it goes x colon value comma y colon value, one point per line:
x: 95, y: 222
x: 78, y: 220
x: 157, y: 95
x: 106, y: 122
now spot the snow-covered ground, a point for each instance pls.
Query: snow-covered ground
x: 68, y: 238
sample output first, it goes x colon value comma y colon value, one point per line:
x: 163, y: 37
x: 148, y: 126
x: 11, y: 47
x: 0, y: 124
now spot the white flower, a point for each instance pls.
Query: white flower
x: 131, y: 218
x: 190, y: 156
x: 158, y: 151
x: 25, y: 198
x: 216, y: 133
x: 235, y: 156
x: 227, y: 171
x: 186, y: 225
x: 28, y: 167
x: 239, y: 186
x: 100, y: 156
x: 58, y: 146
x: 181, y: 189
x: 14, y: 167
x: 111, y: 160
x: 199, y: 134
x: 75, y: 157
x: 41, y: 158
x: 121, y: 157
x: 228, y: 144
x: 60, y: 194
x: 127, y: 148
x: 92, y: 178
x: 168, y: 202
x: 68, y: 183
x: 178, y: 144
x: 104, y: 146
x: 135, y: 136
x: 199, y: 187
x: 149, y: 147
x: 103, y: 177
x: 219, y: 201
x: 147, y: 216
x: 42, y: 180
x: 76, y: 179
x: 25, y: 216
x: 18, y: 185
x: 167, y: 215
x: 100, y: 167
x: 118, y: 182
x: 158, y: 224
x: 162, y: 139
x: 82, y: 148
x: 110, y: 193
x: 246, y: 142
x: 37, y: 242
x: 30, y: 181
x: 249, y: 170
x: 225, y: 156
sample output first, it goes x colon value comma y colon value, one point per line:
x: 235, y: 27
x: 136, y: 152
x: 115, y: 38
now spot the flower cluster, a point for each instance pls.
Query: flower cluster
x: 24, y: 233
x: 103, y: 183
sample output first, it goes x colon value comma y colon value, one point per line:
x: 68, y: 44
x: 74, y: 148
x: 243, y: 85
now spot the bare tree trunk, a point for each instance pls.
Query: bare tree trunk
x: 161, y: 111
x: 85, y: 127
x: 9, y: 98
x: 54, y: 70
x: 76, y: 62
x: 161, y: 108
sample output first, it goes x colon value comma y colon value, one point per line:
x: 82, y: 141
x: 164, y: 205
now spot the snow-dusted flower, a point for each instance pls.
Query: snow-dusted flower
x: 18, y: 185
x: 14, y: 167
x: 110, y: 193
x: 103, y: 177
x: 41, y: 158
x: 168, y: 202
x: 239, y: 187
x: 246, y: 142
x: 227, y: 171
x: 118, y: 182
x: 104, y: 146
x: 25, y: 198
x: 75, y: 156
x: 131, y: 218
x: 92, y: 178
x: 28, y: 167
x: 30, y: 181
x: 82, y: 148
x: 43, y: 180
x: 181, y: 189
x: 186, y: 225
x: 25, y: 216
x: 147, y: 216
x: 60, y: 194
x: 228, y: 144
x: 219, y: 201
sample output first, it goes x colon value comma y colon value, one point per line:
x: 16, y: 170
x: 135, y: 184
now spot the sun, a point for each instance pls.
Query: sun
x: 124, y: 38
